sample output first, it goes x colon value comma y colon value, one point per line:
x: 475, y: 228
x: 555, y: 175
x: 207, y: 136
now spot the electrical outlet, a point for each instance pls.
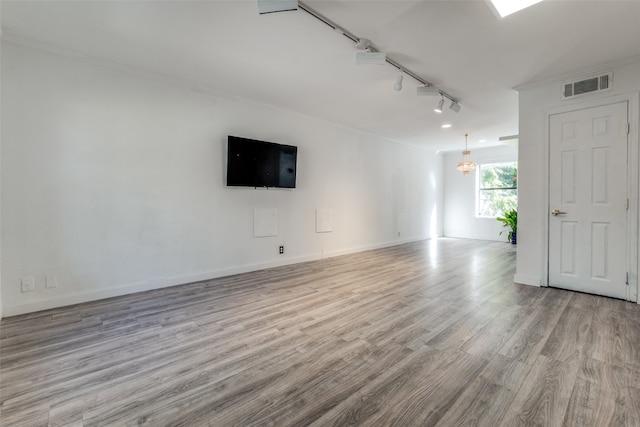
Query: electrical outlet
x: 28, y: 284
x: 51, y: 282
x: 281, y: 250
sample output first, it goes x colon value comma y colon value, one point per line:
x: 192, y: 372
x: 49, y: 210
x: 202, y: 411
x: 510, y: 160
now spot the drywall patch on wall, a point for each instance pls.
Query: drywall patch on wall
x: 265, y: 222
x: 324, y: 220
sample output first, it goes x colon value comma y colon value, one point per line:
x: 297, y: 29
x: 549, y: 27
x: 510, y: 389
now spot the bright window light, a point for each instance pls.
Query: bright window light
x: 507, y: 7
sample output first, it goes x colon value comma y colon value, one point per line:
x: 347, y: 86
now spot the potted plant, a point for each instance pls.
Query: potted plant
x: 510, y: 220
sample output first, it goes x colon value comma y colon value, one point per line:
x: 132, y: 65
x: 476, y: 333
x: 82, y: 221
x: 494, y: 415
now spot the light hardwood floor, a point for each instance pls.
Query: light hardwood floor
x: 432, y: 333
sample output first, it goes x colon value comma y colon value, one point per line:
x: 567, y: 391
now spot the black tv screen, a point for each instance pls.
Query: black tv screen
x: 253, y: 163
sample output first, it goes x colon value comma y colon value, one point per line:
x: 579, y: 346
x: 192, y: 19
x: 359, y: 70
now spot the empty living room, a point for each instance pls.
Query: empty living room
x: 293, y: 213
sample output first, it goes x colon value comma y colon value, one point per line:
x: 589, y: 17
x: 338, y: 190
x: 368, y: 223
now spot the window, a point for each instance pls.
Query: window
x: 497, y: 188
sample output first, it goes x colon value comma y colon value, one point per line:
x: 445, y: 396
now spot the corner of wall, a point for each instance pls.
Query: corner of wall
x: 1, y: 306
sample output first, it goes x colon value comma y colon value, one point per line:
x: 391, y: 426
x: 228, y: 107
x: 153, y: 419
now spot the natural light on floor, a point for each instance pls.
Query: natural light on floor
x: 507, y: 7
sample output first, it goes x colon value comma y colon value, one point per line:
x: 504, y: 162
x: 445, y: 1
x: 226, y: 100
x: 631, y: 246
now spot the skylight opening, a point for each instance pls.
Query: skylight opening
x: 507, y: 7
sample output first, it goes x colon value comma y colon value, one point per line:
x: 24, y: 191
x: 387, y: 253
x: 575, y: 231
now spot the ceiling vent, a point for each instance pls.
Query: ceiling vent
x: 582, y: 87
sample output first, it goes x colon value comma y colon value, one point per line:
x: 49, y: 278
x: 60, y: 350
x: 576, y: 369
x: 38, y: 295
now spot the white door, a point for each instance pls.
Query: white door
x: 588, y: 200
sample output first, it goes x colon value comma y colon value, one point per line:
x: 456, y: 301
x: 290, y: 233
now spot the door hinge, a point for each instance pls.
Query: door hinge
x: 628, y: 128
x: 627, y: 279
x: 627, y: 203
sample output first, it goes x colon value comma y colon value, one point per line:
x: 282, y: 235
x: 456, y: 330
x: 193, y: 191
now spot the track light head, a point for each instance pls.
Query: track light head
x: 370, y: 58
x: 438, y: 109
x: 454, y: 106
x: 363, y: 44
x: 428, y: 90
x: 398, y: 85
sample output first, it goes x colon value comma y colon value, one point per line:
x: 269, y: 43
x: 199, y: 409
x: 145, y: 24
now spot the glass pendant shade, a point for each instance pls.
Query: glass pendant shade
x: 466, y: 165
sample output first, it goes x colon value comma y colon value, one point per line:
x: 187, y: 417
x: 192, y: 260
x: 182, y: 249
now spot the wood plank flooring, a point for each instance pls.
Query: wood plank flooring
x: 432, y: 333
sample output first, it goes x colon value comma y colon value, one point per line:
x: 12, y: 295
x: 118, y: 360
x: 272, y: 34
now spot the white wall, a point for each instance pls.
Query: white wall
x: 537, y: 101
x: 114, y: 183
x: 1, y: 305
x: 459, y: 210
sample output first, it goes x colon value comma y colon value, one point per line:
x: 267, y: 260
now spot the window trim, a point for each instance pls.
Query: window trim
x: 479, y: 189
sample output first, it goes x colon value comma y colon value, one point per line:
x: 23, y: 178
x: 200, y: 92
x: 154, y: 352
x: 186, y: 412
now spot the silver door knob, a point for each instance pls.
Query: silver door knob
x: 556, y: 212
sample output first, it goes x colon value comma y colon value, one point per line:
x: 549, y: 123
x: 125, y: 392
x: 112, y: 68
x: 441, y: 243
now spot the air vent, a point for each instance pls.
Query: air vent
x: 582, y: 87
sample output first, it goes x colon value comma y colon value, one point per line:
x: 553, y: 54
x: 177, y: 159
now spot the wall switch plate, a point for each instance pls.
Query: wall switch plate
x: 28, y: 284
x: 51, y: 282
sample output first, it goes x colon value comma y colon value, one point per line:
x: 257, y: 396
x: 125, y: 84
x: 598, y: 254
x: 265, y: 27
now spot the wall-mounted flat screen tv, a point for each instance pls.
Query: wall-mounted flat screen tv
x: 253, y: 163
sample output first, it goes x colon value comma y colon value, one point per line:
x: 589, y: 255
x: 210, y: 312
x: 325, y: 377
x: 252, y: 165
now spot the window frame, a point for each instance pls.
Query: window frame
x: 479, y: 189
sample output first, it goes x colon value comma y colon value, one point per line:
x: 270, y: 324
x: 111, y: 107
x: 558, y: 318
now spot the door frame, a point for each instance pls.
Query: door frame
x: 633, y: 182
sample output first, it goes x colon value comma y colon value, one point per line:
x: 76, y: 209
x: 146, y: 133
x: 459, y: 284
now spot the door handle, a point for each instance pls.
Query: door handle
x: 556, y: 212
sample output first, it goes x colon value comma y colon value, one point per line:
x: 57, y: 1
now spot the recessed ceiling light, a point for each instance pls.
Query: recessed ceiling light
x: 507, y: 7
x: 482, y: 140
x: 446, y: 126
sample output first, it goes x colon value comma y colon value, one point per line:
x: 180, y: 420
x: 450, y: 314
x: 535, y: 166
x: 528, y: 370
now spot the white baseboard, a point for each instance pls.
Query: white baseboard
x: 357, y: 249
x: 130, y: 288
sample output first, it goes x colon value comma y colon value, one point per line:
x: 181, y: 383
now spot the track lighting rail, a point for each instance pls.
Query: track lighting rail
x: 389, y: 61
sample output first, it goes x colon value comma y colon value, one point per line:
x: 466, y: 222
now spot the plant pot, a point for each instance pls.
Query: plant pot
x: 513, y: 238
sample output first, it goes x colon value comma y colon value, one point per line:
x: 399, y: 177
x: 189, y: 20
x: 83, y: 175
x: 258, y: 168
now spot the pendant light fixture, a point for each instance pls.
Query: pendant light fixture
x: 466, y: 165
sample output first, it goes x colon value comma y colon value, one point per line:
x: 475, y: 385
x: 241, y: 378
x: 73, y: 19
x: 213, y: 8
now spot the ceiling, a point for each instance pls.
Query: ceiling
x: 293, y: 61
